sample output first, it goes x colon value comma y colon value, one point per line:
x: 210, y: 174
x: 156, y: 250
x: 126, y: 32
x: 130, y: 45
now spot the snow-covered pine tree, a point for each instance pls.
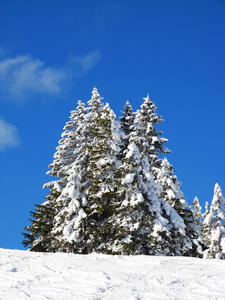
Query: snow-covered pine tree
x: 149, y: 138
x: 143, y: 221
x: 68, y: 231
x: 214, y: 227
x: 188, y: 239
x: 103, y: 163
x: 47, y: 212
x: 72, y: 200
x: 197, y: 224
x: 197, y: 214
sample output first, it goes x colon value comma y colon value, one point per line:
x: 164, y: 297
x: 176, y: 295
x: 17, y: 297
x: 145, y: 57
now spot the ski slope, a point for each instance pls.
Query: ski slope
x: 38, y: 276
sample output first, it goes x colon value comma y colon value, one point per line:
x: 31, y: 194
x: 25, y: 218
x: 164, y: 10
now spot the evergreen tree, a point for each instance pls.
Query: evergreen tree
x: 73, y: 199
x: 149, y: 139
x: 144, y: 223
x: 197, y: 214
x: 197, y: 211
x: 41, y: 235
x: 103, y: 163
x: 213, y: 226
x: 197, y: 223
x: 187, y: 237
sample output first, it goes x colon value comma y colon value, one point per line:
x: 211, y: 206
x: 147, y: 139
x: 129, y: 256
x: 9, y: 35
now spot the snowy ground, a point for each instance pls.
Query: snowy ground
x: 36, y: 276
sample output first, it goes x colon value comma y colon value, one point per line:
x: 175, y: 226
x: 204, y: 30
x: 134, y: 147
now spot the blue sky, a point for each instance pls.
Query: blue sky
x: 52, y: 53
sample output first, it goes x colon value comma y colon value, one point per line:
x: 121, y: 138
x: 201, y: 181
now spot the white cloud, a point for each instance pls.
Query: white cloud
x: 9, y: 136
x: 83, y: 64
x: 24, y: 74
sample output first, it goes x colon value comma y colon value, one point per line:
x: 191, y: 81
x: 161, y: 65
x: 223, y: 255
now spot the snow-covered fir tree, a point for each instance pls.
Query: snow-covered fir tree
x: 197, y: 214
x: 63, y: 160
x: 146, y: 134
x: 72, y: 201
x: 103, y: 163
x: 68, y: 232
x: 145, y: 224
x: 187, y: 236
x: 197, y: 223
x: 214, y: 227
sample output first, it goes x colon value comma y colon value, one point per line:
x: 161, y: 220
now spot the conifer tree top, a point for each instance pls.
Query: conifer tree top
x: 95, y: 94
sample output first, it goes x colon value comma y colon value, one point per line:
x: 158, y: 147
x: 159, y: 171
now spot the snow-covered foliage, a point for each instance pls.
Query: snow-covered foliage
x: 127, y: 125
x: 214, y: 226
x: 146, y: 133
x: 112, y: 192
x: 65, y: 156
x: 187, y: 237
x: 102, y: 165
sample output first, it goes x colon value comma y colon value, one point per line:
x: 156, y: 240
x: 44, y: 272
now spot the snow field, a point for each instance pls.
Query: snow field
x: 41, y: 276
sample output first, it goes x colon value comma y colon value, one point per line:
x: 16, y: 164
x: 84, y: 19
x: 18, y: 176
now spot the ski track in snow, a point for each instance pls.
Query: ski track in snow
x: 41, y: 276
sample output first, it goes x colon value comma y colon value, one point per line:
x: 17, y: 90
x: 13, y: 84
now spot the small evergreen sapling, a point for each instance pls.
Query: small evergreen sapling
x: 214, y: 227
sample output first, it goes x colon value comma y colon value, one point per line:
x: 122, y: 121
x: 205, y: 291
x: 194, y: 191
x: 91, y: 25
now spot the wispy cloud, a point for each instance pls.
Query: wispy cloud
x: 24, y: 74
x: 83, y: 64
x: 9, y: 136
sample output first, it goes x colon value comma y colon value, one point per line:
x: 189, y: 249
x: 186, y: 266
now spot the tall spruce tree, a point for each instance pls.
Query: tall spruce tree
x: 103, y: 163
x: 214, y: 226
x: 72, y: 200
x: 86, y: 198
x: 68, y: 230
x: 40, y: 231
x: 144, y: 224
x: 149, y: 138
x: 171, y: 193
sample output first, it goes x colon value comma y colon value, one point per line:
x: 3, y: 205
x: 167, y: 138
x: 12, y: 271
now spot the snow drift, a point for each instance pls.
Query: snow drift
x: 38, y: 276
